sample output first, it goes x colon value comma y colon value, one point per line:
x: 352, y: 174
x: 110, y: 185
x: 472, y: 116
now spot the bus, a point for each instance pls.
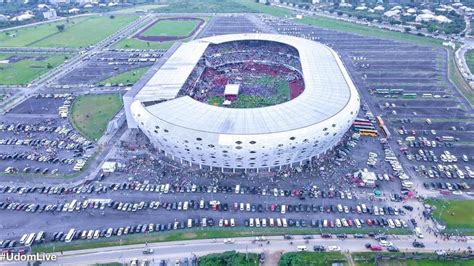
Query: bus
x: 369, y: 133
x: 409, y: 95
x: 380, y: 121
x: 382, y: 91
x: 30, y: 239
x: 72, y: 205
x: 396, y: 91
x: 70, y: 235
x: 386, y: 132
x: 358, y: 128
x: 361, y: 123
x: 447, y: 138
x: 427, y: 95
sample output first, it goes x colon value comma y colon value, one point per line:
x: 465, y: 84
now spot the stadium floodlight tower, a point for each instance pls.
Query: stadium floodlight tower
x: 287, y: 133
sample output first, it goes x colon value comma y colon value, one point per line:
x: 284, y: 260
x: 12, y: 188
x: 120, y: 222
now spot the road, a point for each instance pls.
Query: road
x: 179, y: 249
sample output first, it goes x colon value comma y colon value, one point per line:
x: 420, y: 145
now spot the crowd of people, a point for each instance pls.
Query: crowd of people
x: 245, y: 63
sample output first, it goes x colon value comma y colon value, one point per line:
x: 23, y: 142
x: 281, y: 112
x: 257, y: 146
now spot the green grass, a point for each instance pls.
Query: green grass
x: 24, y: 71
x: 229, y: 258
x: 78, y: 32
x: 311, y: 258
x: 203, y: 6
x: 180, y: 28
x: 91, y: 113
x: 189, y: 234
x: 127, y: 78
x: 138, y: 8
x: 139, y: 44
x: 334, y: 24
x: 455, y: 214
x: 456, y: 77
x: 250, y: 101
x: 426, y: 259
x: 469, y: 56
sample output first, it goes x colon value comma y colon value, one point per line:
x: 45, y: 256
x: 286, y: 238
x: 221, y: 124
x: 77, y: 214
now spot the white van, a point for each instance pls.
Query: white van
x: 279, y: 224
x: 390, y: 223
x: 407, y: 184
x: 257, y: 222
x: 283, y: 209
x: 357, y: 223
x: 203, y: 222
x: 190, y: 223
x: 251, y: 222
x: 237, y: 189
x: 418, y: 232
x: 264, y: 222
x: 285, y: 224
x: 272, y: 224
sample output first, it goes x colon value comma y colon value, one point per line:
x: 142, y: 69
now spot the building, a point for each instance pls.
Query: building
x: 288, y: 133
x: 50, y: 14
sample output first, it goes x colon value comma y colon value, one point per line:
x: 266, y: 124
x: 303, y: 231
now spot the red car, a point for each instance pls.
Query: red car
x: 375, y: 248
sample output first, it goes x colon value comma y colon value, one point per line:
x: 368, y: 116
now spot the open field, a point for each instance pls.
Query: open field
x: 187, y: 234
x: 456, y: 214
x: 229, y: 257
x: 311, y: 258
x: 469, y: 55
x: 128, y: 77
x: 91, y: 113
x: 78, y: 32
x: 180, y: 28
x: 138, y: 8
x: 456, y: 77
x: 26, y: 68
x: 204, y: 6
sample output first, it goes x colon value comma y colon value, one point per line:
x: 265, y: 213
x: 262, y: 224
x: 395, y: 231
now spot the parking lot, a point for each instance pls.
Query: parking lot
x: 327, y: 193
x: 35, y: 140
x: 108, y: 63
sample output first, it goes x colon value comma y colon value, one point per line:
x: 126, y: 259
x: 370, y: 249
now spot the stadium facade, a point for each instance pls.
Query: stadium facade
x: 288, y: 133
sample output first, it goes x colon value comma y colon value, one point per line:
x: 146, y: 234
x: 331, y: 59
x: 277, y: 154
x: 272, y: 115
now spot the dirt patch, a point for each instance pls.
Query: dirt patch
x: 140, y: 35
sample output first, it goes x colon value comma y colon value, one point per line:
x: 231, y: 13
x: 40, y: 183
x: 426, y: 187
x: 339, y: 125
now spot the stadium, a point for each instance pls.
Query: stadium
x: 245, y: 101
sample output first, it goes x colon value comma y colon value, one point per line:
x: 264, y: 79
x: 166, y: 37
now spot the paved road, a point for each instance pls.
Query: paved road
x: 175, y: 250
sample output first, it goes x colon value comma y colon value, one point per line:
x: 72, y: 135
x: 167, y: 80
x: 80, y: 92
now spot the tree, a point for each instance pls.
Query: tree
x: 49, y: 66
x: 112, y: 17
x: 60, y: 27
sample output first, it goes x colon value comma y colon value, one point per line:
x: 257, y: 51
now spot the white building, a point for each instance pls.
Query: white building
x: 284, y: 134
x: 50, y: 14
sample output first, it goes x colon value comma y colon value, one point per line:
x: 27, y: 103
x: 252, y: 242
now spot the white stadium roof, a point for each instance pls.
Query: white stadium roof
x: 328, y: 89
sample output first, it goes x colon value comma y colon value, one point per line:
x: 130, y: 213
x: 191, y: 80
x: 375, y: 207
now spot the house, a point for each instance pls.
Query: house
x: 50, y: 14
x: 231, y: 92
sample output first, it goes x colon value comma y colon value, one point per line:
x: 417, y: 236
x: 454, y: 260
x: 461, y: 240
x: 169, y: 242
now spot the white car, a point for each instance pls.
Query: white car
x: 333, y: 248
x: 385, y: 243
x: 229, y: 241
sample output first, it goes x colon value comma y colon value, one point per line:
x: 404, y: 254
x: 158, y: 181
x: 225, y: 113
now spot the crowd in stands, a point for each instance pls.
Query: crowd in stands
x: 243, y: 62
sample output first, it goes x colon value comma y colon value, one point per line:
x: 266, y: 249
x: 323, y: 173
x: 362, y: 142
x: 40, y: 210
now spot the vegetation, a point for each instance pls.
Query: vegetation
x: 229, y: 258
x: 251, y: 101
x: 203, y: 6
x: 202, y: 233
x: 91, y: 113
x: 139, y: 44
x: 181, y: 28
x: 423, y: 259
x: 75, y: 33
x: 26, y: 67
x: 469, y: 56
x: 455, y: 214
x: 126, y: 78
x: 456, y: 77
x: 311, y: 258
